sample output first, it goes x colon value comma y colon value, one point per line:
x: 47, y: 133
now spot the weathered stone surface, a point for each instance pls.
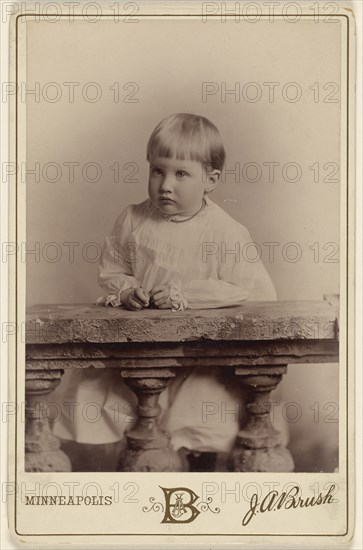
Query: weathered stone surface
x: 255, y: 342
x: 42, y: 448
x: 259, y: 445
x: 47, y: 461
x: 151, y: 460
x: 148, y: 447
x: 178, y: 362
x: 252, y: 321
x: 273, y: 459
x: 297, y: 349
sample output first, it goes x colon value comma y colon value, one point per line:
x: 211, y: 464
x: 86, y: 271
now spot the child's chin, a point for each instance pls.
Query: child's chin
x: 168, y: 209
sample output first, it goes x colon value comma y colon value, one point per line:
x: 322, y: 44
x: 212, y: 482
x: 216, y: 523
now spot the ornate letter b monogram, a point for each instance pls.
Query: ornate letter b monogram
x: 179, y: 505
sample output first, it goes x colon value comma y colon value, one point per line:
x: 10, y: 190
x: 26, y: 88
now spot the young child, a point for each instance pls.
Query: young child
x: 177, y: 250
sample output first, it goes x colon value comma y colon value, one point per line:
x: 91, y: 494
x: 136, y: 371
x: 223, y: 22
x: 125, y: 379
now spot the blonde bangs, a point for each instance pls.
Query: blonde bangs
x: 187, y: 137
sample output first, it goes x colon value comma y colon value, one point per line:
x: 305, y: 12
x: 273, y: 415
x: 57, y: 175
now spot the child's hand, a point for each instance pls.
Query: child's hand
x: 160, y: 297
x: 134, y: 298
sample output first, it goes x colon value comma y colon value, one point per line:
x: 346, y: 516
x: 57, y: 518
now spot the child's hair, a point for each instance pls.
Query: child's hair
x: 187, y: 136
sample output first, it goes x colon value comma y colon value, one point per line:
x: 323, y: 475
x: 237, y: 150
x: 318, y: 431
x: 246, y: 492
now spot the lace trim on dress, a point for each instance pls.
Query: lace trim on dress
x: 177, y: 299
x: 110, y: 300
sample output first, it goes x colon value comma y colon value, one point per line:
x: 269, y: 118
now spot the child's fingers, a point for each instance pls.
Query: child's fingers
x: 133, y: 304
x: 158, y: 289
x: 165, y: 305
x: 141, y: 296
x: 163, y: 302
x: 160, y: 295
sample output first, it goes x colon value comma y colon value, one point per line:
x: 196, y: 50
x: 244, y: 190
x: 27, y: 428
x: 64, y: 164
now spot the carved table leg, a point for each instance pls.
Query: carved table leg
x: 148, y: 447
x: 259, y: 445
x: 42, y: 448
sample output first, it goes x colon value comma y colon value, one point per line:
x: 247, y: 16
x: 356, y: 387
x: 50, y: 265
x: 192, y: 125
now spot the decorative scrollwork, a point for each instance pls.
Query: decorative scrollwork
x: 204, y: 506
x: 155, y: 506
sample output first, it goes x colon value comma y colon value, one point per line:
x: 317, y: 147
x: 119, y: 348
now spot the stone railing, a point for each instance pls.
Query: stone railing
x: 254, y: 342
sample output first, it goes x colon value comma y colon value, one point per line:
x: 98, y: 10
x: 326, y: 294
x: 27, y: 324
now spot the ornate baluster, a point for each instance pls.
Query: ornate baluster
x: 149, y: 448
x: 259, y: 445
x: 42, y: 448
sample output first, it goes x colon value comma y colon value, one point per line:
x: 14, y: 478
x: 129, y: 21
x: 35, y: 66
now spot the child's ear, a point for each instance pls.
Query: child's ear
x: 212, y: 177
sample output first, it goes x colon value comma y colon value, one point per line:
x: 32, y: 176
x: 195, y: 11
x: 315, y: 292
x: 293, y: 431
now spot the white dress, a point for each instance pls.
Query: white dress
x: 213, y: 257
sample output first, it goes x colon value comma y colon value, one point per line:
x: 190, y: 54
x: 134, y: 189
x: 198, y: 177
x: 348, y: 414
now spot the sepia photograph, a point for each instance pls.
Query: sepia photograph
x: 182, y: 256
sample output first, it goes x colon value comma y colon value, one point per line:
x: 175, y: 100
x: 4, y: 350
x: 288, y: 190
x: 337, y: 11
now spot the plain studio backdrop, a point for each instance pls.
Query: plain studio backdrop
x: 272, y: 89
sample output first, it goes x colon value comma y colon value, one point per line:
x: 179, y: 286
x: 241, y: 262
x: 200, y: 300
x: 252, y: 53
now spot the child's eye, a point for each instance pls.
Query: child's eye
x: 156, y: 171
x: 181, y: 174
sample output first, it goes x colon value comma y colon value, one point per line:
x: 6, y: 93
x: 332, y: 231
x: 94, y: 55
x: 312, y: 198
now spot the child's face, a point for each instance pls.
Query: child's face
x: 178, y: 186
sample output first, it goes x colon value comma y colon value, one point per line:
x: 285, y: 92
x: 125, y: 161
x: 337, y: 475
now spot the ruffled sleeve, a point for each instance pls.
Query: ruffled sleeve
x: 118, y: 255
